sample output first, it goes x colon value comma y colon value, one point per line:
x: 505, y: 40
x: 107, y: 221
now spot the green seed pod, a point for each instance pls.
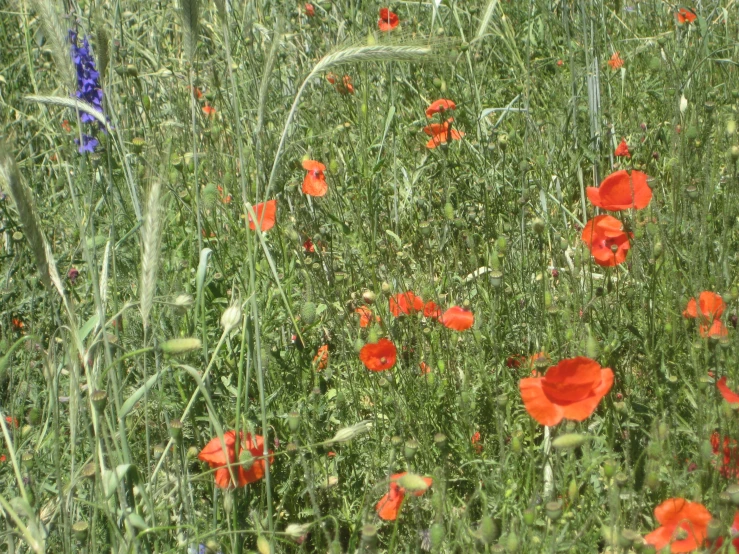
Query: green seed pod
x: 621, y: 479
x: 609, y: 468
x: 175, y: 430
x: 713, y: 530
x: 652, y: 480
x: 293, y: 421
x: 34, y: 416
x: 627, y: 537
x: 80, y: 530
x: 308, y: 313
x: 137, y: 145
x: 412, y: 482
x: 573, y: 491
x: 440, y: 440
x: 733, y: 492
x: 437, y: 82
x: 209, y: 195
x: 516, y: 445
x: 554, y: 509
x: 369, y: 536
x: 131, y: 70
x: 358, y: 345
x: 529, y: 516
x: 99, y: 400
x: 734, y: 152
x: 538, y: 225
x: 692, y: 132
x: 410, y: 449
x: 449, y: 211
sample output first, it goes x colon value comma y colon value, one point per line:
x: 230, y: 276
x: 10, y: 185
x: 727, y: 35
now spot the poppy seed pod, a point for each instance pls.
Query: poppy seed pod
x: 609, y: 468
x: 88, y: 471
x: 733, y: 492
x: 175, y: 430
x: 440, y: 440
x: 538, y: 225
x: 554, y: 509
x: 529, y: 516
x: 99, y: 400
x: 137, y: 145
x: 516, y: 445
x: 293, y: 421
x: 228, y: 501
x: 413, y: 483
x: 512, y: 543
x: 713, y: 530
x: 569, y: 441
x: 621, y: 479
x: 735, y: 152
x: 369, y: 536
x: 80, y: 530
x: 410, y: 449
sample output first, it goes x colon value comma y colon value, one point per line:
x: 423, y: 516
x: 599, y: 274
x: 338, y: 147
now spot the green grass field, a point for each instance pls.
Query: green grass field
x: 351, y: 277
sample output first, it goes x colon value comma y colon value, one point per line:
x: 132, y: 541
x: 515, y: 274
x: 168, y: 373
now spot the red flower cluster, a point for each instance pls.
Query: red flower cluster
x: 683, y: 525
x: 708, y: 310
x: 388, y: 20
x: 408, y: 303
x: 230, y: 471
x: 727, y: 447
x: 314, y: 183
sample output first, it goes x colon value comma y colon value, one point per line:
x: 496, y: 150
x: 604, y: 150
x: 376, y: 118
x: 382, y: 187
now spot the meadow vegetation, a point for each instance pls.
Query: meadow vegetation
x: 344, y: 276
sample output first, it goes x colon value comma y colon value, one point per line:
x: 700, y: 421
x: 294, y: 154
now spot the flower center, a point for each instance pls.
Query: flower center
x: 383, y: 360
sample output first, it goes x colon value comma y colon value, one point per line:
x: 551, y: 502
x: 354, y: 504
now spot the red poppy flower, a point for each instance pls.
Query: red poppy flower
x: 10, y: 420
x: 18, y: 324
x: 430, y: 309
x: 441, y: 133
x: 365, y: 316
x: 622, y: 150
x: 209, y: 110
x: 346, y: 86
x: 314, y: 183
x: 196, y: 92
x: 321, y: 358
x: 708, y: 310
x: 388, y: 20
x: 266, y: 213
x: 621, y: 191
x: 685, y: 15
x: 476, y: 442
x: 3, y: 458
x: 389, y: 505
x: 425, y: 368
x: 66, y: 126
x: 440, y: 106
x: 572, y: 389
x: 308, y: 246
x: 310, y: 11
x: 457, y: 318
x: 378, y: 356
x: 615, y: 62
x: 405, y: 303
x: 227, y: 461
x: 729, y: 395
x: 677, y: 514
x: 728, y: 465
x: 331, y: 78
x: 606, y: 239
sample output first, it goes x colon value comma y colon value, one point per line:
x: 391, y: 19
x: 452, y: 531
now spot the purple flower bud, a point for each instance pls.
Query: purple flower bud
x: 72, y: 275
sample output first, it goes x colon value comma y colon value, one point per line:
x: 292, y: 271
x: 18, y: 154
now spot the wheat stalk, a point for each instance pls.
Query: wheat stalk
x: 190, y: 12
x: 26, y: 211
x: 152, y: 238
x: 352, y: 54
x: 73, y: 103
x: 57, y: 39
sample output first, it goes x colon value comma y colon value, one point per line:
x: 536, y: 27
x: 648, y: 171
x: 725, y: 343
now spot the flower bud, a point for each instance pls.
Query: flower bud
x: 308, y: 313
x: 369, y: 297
x: 569, y: 441
x: 621, y: 479
x: 34, y: 416
x: 137, y: 145
x: 511, y: 542
x: 386, y: 288
x: 230, y: 318
x: 487, y: 532
x: 733, y: 492
x: 609, y: 468
x: 88, y: 471
x: 174, y: 347
x: 437, y: 533
x: 516, y: 445
x: 263, y: 545
x: 627, y: 537
x: 529, y: 516
x: 538, y: 225
x: 652, y: 480
x: 573, y: 491
x: 183, y: 301
x: 348, y: 433
x: 228, y: 501
x: 413, y: 483
x: 297, y: 530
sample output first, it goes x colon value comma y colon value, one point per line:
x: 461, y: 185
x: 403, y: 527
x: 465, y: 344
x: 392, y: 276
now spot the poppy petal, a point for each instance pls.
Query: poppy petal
x: 580, y: 411
x: 213, y: 452
x: 457, y: 318
x: 314, y: 186
x: 537, y: 404
x: 730, y: 396
x: 692, y: 309
x: 266, y: 213
x: 389, y: 505
x: 378, y: 356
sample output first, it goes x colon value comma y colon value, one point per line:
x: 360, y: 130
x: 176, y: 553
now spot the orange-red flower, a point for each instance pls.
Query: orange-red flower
x: 266, y: 213
x: 572, y: 389
x: 685, y: 15
x: 425, y: 368
x: 708, y: 311
x: 389, y: 505
x: 320, y: 360
x: 209, y: 110
x: 729, y: 395
x: 310, y: 11
x: 441, y: 133
x: 440, y: 106
x: 365, y: 316
x: 66, y: 126
x: 679, y: 518
x: 476, y: 441
x: 728, y: 466
x: 430, y: 309
x: 230, y: 472
x: 309, y: 247
x: 346, y: 86
x: 405, y: 303
x: 314, y: 183
x: 378, y: 356
x: 622, y: 150
x: 457, y: 318
x: 615, y: 62
x: 388, y: 20
x: 621, y: 191
x: 606, y: 239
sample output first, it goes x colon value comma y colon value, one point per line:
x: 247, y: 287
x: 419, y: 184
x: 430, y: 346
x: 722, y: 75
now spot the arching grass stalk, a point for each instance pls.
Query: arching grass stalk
x: 354, y: 54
